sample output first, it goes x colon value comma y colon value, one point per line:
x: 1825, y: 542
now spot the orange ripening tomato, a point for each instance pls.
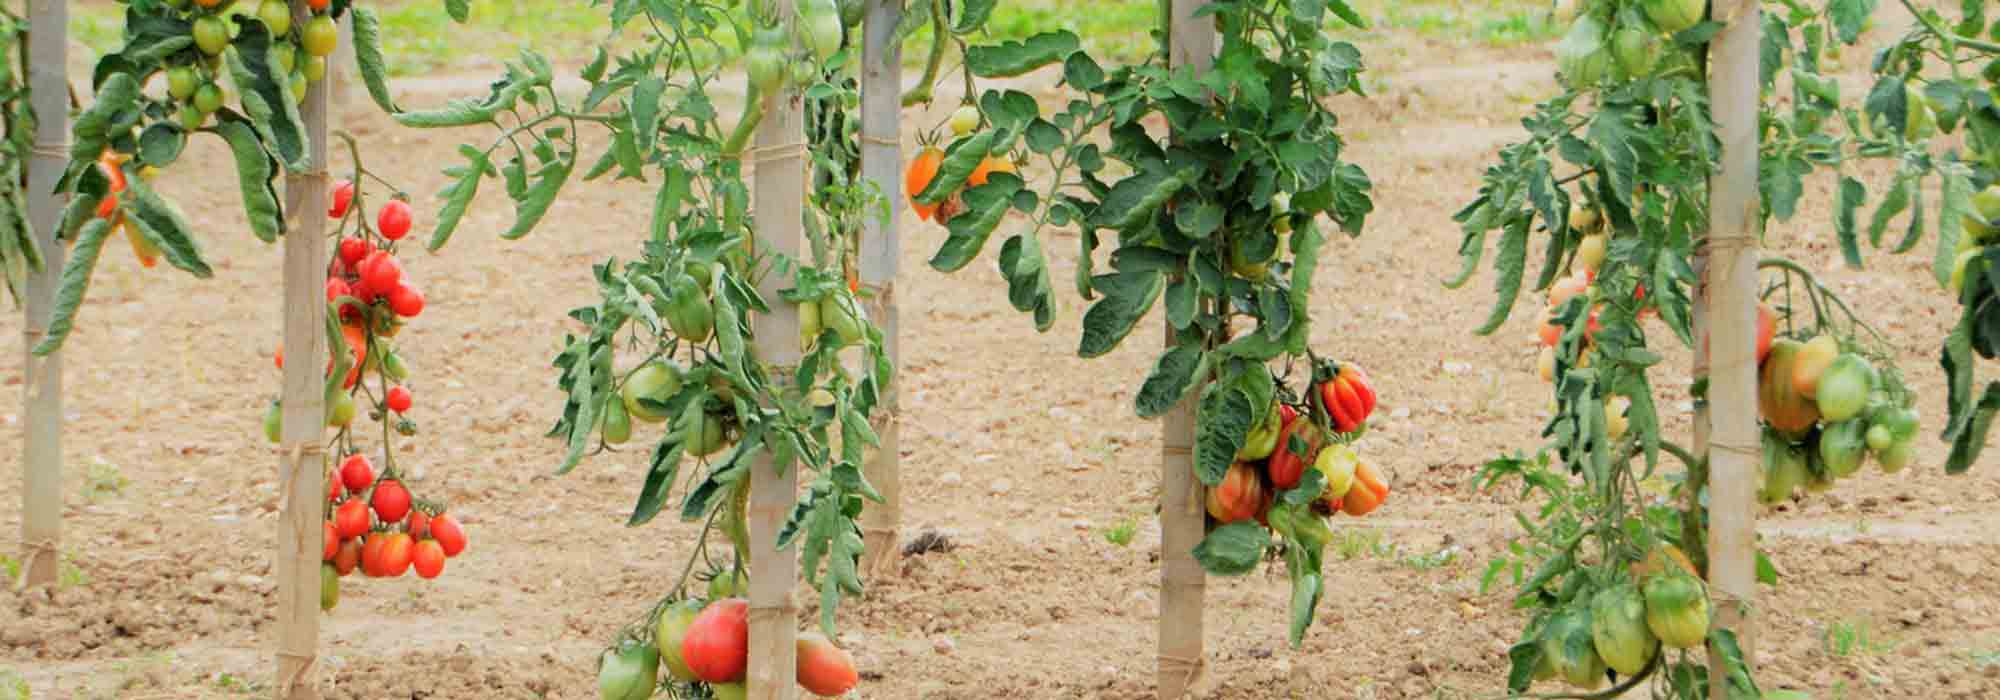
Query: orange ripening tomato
x: 1367, y: 494
x: 987, y: 167
x: 922, y: 170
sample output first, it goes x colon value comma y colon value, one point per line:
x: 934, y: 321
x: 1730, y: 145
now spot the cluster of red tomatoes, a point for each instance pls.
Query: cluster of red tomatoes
x: 1277, y: 453
x: 377, y: 526
x: 708, y: 642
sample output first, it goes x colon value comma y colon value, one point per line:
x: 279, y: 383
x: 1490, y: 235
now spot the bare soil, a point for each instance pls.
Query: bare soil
x: 1020, y: 453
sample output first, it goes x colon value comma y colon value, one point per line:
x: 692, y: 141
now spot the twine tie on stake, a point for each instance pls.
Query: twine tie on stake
x: 1191, y: 669
x: 304, y: 671
x: 759, y: 155
x: 53, y: 150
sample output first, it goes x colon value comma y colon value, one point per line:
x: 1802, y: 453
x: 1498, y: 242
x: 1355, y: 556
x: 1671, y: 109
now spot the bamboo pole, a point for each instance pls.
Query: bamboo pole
x: 882, y: 162
x: 301, y: 460
x: 779, y: 158
x: 1730, y: 295
x: 1190, y: 42
x: 41, y: 495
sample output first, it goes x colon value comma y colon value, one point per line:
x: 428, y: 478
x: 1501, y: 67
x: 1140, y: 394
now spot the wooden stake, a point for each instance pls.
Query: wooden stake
x: 1190, y: 42
x: 779, y: 158
x: 1731, y: 298
x: 301, y: 462
x: 882, y: 162
x: 41, y: 495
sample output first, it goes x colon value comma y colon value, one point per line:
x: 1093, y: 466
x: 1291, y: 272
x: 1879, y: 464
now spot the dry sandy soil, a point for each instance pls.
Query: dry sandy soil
x: 1024, y: 470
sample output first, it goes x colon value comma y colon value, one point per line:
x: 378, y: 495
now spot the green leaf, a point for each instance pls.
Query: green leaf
x: 255, y: 173
x: 458, y: 195
x: 1233, y: 549
x: 1767, y: 573
x: 266, y: 95
x: 161, y: 223
x: 1508, y: 265
x: 1026, y: 269
x: 1305, y: 598
x: 368, y: 61
x: 666, y: 466
x: 646, y: 111
x: 1134, y: 199
x: 530, y: 206
x: 75, y: 281
x: 117, y: 102
x: 1848, y: 17
x: 460, y: 10
x: 1971, y: 438
x: 161, y: 143
x: 985, y: 206
x: 1012, y: 58
x: 1222, y: 423
x: 1893, y: 204
x: 1174, y: 375
x: 1127, y: 298
x: 1847, y: 199
x: 1957, y: 203
x: 959, y: 161
x: 972, y: 15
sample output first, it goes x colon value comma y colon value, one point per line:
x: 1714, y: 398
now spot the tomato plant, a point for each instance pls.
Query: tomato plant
x: 1943, y: 126
x: 1219, y: 223
x: 1613, y: 178
x: 236, y: 75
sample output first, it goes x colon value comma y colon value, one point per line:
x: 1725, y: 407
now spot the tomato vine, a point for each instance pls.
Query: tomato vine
x: 1220, y: 223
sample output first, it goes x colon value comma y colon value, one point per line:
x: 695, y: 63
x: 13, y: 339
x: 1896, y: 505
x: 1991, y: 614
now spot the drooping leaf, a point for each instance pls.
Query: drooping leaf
x: 1011, y: 58
x: 1233, y: 549
x: 1222, y: 423
x: 256, y: 173
x: 368, y: 61
x: 74, y: 283
x: 1127, y: 298
x: 458, y: 195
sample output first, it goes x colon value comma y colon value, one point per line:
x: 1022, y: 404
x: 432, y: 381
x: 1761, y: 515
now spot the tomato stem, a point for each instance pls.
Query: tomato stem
x: 753, y: 114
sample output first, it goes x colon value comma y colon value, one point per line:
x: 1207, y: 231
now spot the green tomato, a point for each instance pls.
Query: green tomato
x: 1959, y: 267
x: 1982, y: 224
x: 211, y: 35
x: 689, y: 312
x: 1878, y: 437
x: 1677, y: 609
x: 657, y: 382
x: 729, y: 691
x: 341, y: 411
x: 392, y: 363
x: 841, y: 313
x: 765, y: 62
x: 1843, y: 389
x: 315, y: 68
x: 964, y: 120
x: 274, y: 423
x: 617, y: 423
x: 729, y: 585
x: 706, y: 438
x: 1842, y: 447
x: 287, y: 55
x: 208, y: 98
x: 852, y: 12
x: 1618, y: 629
x: 276, y: 15
x: 321, y: 36
x: 820, y: 28
x: 669, y: 630
x: 1897, y: 456
x: 628, y: 672
x: 192, y: 118
x: 298, y: 85
x: 181, y: 82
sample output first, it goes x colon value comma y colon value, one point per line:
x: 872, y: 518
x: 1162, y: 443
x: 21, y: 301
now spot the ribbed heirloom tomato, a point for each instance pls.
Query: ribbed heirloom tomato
x: 717, y: 646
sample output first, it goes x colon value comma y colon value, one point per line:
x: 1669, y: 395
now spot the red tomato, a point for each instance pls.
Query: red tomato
x: 348, y: 557
x: 371, y: 554
x: 448, y: 533
x: 333, y: 487
x: 380, y: 272
x: 279, y: 357
x: 343, y: 193
x: 391, y: 501
x: 350, y: 520
x: 823, y: 668
x: 353, y: 250
x: 394, y: 220
x: 406, y: 301
x: 318, y: 4
x: 428, y: 558
x: 332, y: 544
x: 1287, y: 465
x: 717, y: 646
x: 398, y: 399
x: 397, y: 550
x: 1767, y: 329
x: 356, y: 473
x: 420, y: 524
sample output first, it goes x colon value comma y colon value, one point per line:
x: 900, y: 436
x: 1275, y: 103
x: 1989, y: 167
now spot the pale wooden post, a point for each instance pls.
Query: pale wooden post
x: 882, y: 162
x: 340, y: 65
x: 41, y: 495
x: 779, y: 190
x: 301, y: 467
x: 1731, y: 298
x: 1190, y: 42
